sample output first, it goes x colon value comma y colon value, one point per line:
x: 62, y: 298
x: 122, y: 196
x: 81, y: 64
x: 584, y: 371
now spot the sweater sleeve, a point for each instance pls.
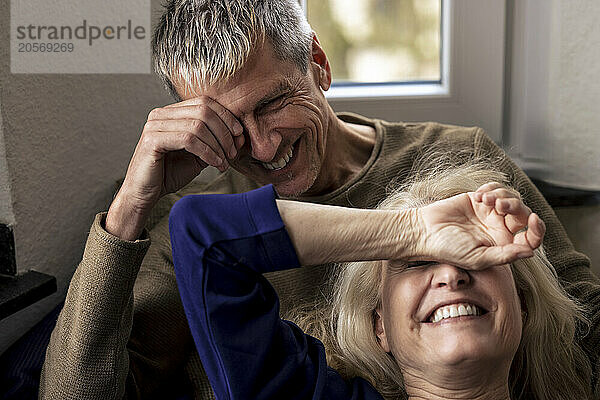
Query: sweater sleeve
x: 122, y: 333
x: 86, y: 357
x: 222, y: 244
x: 572, y: 267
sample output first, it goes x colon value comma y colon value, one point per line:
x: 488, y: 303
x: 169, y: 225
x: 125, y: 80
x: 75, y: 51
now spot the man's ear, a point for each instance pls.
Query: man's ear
x: 320, y: 59
x: 380, y: 331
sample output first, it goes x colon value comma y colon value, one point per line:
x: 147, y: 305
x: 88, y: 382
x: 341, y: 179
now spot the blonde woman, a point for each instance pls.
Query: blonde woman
x: 413, y: 330
x: 388, y: 332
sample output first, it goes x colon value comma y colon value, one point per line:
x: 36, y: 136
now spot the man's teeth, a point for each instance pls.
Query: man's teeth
x: 281, y: 163
x: 453, y: 311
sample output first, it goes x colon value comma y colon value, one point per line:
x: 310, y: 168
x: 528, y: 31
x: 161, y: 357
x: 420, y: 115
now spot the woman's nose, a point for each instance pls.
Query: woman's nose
x: 450, y: 277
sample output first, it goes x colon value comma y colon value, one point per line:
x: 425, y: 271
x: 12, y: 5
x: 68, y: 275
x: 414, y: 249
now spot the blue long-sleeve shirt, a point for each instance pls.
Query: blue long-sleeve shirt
x: 222, y: 244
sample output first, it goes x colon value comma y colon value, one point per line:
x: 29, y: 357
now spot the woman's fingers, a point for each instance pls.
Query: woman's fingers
x: 488, y: 198
x: 487, y: 240
x: 527, y: 227
x: 488, y: 187
x: 533, y: 236
x: 523, y: 245
x: 515, y: 213
x: 500, y: 255
x: 506, y: 202
x: 512, y: 206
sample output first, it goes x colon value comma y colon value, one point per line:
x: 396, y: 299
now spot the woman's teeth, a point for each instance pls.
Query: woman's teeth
x: 281, y: 163
x: 453, y: 311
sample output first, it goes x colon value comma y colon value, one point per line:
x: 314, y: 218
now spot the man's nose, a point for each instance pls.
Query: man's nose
x: 450, y: 277
x: 263, y: 142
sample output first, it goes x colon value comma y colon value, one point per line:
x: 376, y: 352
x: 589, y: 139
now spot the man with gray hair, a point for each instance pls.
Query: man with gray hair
x: 248, y: 77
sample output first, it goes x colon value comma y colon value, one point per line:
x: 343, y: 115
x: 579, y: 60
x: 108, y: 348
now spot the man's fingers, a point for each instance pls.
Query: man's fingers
x: 189, y: 102
x: 165, y: 141
x: 195, y: 127
x: 203, y: 114
x: 199, y: 148
x: 227, y: 116
x: 205, y: 153
x: 193, y: 100
x: 239, y: 141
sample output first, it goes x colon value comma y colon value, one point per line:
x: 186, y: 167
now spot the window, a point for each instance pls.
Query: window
x: 379, y: 41
x: 467, y: 86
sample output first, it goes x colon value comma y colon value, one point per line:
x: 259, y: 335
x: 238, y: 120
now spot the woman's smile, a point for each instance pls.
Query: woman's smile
x: 455, y: 312
x: 441, y: 315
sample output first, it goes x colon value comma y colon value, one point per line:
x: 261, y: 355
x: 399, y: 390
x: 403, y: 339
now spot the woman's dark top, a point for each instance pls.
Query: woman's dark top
x: 222, y: 244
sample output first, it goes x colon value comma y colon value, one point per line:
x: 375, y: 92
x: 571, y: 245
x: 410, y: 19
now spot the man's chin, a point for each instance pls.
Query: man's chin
x: 289, y: 186
x: 290, y: 189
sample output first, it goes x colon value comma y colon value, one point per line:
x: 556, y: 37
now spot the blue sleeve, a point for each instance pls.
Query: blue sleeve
x: 221, y: 246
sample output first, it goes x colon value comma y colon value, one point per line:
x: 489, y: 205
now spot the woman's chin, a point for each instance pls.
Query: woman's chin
x: 463, y: 348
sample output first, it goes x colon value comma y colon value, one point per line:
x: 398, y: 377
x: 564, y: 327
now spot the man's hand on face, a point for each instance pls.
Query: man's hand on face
x: 178, y: 141
x: 491, y: 226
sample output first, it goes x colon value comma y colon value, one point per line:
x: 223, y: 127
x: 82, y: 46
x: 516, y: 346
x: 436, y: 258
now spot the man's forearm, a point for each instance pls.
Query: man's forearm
x: 323, y: 234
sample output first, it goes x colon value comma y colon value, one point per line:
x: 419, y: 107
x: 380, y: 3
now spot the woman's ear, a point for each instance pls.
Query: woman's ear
x: 380, y: 331
x: 319, y: 58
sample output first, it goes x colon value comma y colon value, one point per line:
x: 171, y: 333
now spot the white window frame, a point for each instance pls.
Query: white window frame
x: 471, y: 91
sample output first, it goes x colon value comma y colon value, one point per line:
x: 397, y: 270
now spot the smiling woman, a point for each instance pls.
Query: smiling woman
x: 406, y: 327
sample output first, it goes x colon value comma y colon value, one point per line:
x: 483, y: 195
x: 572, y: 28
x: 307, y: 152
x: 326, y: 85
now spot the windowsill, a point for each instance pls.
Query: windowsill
x: 20, y: 291
x: 387, y: 91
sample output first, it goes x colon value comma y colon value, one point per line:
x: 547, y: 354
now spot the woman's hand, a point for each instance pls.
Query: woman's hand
x: 476, y: 230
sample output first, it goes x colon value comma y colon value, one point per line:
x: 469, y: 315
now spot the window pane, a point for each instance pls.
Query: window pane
x: 379, y: 40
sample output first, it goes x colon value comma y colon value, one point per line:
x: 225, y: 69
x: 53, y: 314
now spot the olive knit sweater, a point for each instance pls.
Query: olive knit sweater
x: 123, y: 334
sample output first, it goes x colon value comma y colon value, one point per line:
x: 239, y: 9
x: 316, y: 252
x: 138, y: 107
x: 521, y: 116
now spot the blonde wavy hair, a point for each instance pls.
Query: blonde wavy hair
x: 548, y: 364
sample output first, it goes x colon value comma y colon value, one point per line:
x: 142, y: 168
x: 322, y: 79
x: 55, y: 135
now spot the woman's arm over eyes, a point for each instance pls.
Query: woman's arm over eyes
x: 221, y: 246
x: 325, y: 233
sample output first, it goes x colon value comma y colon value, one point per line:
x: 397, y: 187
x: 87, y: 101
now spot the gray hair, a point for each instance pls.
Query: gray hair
x: 198, y: 43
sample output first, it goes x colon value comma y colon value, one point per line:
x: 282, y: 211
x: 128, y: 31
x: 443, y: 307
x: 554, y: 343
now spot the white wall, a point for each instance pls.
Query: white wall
x: 552, y: 114
x: 6, y: 211
x: 574, y: 94
x: 68, y: 138
x: 554, y: 123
